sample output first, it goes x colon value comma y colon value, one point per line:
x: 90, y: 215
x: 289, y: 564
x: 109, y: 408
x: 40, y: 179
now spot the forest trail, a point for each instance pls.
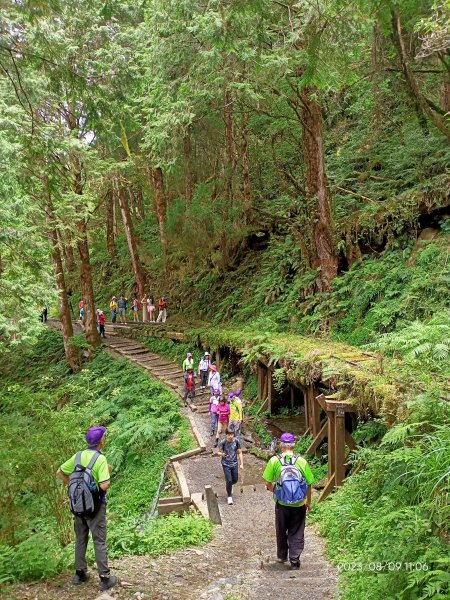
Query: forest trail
x: 239, y: 562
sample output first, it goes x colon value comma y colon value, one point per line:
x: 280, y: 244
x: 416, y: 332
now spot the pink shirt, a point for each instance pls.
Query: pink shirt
x: 224, y: 413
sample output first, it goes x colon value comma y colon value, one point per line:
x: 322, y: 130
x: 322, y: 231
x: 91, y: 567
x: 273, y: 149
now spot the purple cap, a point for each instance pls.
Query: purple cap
x: 216, y: 391
x: 238, y: 393
x: 287, y: 438
x: 94, y: 435
x: 230, y: 395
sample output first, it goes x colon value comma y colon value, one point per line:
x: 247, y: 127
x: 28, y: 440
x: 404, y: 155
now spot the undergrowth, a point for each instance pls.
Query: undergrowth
x: 44, y: 413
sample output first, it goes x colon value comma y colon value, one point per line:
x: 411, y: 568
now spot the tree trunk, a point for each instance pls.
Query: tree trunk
x: 69, y: 257
x: 87, y: 289
x: 110, y: 234
x: 246, y: 195
x: 189, y: 171
x: 411, y: 81
x: 317, y: 187
x: 139, y: 200
x: 161, y: 207
x: 131, y: 240
x: 230, y: 145
x: 72, y: 354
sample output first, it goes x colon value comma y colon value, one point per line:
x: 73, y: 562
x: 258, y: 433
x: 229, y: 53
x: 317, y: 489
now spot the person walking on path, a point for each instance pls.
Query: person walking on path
x: 230, y: 451
x: 235, y: 412
x: 136, y: 309
x: 162, y: 311
x: 122, y: 304
x: 203, y: 369
x: 189, y: 385
x: 44, y: 314
x: 72, y: 473
x: 188, y: 362
x: 214, y: 379
x: 289, y: 477
x: 113, y: 307
x: 151, y: 310
x: 213, y: 410
x: 101, y: 323
x: 223, y: 410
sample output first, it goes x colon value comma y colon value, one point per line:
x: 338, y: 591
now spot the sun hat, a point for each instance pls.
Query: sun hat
x: 287, y: 438
x: 94, y: 435
x: 206, y: 354
x: 189, y: 354
x: 213, y: 367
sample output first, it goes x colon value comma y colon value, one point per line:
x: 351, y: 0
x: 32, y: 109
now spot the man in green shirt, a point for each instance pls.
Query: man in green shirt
x: 96, y: 524
x: 290, y: 517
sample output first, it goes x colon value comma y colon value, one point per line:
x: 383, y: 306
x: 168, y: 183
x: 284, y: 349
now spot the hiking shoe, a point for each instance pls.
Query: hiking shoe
x: 230, y: 500
x: 80, y: 577
x: 281, y: 560
x: 295, y: 566
x: 106, y: 583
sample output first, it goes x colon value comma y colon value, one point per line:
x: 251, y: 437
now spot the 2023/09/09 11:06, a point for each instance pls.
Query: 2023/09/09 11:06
x: 382, y: 566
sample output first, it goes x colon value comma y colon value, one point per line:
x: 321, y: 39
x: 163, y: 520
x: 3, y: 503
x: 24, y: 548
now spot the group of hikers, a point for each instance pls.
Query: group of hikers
x: 87, y: 475
x: 118, y: 308
x: 225, y: 412
x: 146, y: 304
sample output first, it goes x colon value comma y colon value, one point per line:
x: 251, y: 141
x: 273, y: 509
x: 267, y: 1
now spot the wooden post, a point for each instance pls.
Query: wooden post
x: 269, y: 389
x: 331, y: 445
x: 264, y: 382
x: 144, y: 313
x: 260, y: 381
x: 213, y: 505
x: 306, y: 404
x: 339, y: 446
x: 315, y: 411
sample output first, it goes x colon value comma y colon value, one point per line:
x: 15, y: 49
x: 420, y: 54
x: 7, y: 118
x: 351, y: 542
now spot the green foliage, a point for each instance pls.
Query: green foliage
x: 395, y: 511
x: 42, y: 404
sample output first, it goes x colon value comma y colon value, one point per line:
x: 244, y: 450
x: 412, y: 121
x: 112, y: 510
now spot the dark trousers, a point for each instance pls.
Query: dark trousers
x: 102, y: 330
x: 189, y: 394
x: 113, y: 316
x: 97, y: 526
x: 290, y: 529
x: 231, y: 477
x: 204, y: 378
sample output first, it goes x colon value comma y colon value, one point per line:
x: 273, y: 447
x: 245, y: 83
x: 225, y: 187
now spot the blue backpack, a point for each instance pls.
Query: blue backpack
x: 291, y: 487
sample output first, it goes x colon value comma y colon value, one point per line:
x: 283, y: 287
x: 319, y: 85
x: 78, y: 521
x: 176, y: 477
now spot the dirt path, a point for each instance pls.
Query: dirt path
x: 239, y: 562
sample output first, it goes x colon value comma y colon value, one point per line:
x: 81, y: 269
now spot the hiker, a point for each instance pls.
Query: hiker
x: 101, y: 324
x: 213, y: 410
x: 162, y: 311
x: 151, y: 309
x: 89, y: 469
x: 289, y: 477
x: 230, y: 451
x: 223, y: 410
x: 144, y: 301
x: 188, y: 362
x: 44, y: 315
x: 136, y: 309
x: 81, y: 308
x: 214, y: 378
x: 122, y: 304
x: 203, y: 369
x: 113, y: 307
x: 235, y: 412
x: 189, y: 384
x: 82, y: 317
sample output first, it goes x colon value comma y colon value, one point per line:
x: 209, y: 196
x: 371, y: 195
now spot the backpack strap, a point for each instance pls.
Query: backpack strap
x: 93, y: 460
x: 78, y: 459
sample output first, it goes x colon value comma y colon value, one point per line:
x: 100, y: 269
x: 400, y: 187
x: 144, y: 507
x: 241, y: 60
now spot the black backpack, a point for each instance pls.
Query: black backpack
x: 84, y: 495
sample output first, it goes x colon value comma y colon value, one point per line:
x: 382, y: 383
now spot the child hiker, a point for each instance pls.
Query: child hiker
x: 189, y: 384
x: 230, y: 451
x: 213, y: 410
x: 203, y: 369
x: 235, y: 412
x: 223, y: 411
x: 101, y: 323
